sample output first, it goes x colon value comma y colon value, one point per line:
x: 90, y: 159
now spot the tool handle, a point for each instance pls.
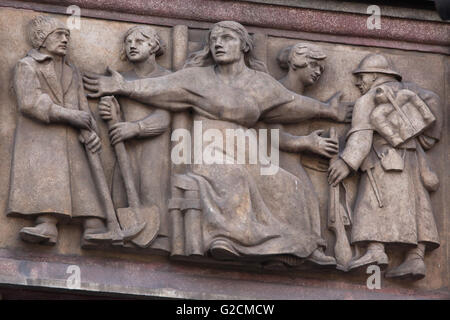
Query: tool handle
x: 127, y: 174
x: 122, y: 157
x: 102, y: 186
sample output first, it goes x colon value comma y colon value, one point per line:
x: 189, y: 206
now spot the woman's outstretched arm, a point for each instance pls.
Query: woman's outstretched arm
x: 302, y: 108
x: 166, y: 92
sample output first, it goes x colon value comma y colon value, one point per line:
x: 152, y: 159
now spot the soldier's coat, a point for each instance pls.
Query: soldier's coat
x: 406, y: 216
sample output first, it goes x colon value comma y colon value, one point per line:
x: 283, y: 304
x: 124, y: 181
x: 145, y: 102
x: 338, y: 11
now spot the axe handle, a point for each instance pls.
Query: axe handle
x: 102, y: 186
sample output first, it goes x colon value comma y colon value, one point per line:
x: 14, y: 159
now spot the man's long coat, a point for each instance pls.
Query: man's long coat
x: 50, y: 172
x: 406, y: 216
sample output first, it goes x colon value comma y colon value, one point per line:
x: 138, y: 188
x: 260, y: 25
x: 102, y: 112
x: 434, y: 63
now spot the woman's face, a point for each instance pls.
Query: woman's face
x: 312, y: 71
x: 309, y: 69
x: 225, y: 45
x: 138, y: 48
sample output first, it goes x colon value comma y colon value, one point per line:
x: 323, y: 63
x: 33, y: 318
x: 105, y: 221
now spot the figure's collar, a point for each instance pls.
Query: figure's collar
x: 39, y: 56
x: 381, y: 81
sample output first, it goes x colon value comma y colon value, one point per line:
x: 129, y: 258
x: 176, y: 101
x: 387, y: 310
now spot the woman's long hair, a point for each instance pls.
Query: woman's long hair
x: 204, y: 58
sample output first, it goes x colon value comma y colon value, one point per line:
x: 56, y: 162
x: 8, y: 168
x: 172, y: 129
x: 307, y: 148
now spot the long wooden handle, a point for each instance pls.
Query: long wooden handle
x: 102, y: 186
x: 127, y: 174
x: 123, y: 158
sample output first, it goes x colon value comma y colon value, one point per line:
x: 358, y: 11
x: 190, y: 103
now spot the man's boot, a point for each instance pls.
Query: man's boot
x: 374, y: 255
x: 44, y: 232
x: 412, y: 267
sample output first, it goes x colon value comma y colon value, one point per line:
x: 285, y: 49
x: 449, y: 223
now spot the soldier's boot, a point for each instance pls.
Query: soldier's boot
x: 319, y: 257
x: 413, y: 267
x: 374, y: 255
x: 44, y: 232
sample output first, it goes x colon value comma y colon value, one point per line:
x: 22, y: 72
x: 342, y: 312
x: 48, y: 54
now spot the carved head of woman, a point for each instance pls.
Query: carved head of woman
x: 305, y: 60
x: 226, y: 42
x: 141, y: 42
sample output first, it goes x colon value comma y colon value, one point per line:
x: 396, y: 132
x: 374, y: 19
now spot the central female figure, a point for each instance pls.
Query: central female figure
x: 245, y: 215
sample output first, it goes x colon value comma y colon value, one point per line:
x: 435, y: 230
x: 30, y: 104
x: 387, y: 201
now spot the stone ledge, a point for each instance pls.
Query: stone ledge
x: 175, y: 280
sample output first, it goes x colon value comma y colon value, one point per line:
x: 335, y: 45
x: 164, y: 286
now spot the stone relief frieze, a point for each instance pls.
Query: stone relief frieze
x: 220, y: 202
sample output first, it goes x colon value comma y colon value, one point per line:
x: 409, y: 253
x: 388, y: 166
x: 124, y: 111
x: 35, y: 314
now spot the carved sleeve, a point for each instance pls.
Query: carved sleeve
x: 166, y: 92
x: 287, y: 141
x: 154, y: 124
x: 300, y: 108
x: 194, y: 88
x: 32, y: 101
x: 360, y: 136
x: 284, y: 106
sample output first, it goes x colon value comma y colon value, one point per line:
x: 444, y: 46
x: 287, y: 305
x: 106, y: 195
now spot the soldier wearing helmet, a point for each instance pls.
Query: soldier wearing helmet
x: 393, y: 204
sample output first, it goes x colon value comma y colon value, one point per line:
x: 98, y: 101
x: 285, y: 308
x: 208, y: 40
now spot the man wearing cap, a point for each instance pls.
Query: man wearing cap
x: 51, y: 180
x: 393, y: 204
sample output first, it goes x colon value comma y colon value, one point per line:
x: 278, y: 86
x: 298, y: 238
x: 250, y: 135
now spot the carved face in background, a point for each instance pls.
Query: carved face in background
x: 139, y: 48
x: 304, y: 60
x: 226, y: 46
x: 311, y: 69
x: 57, y: 42
x: 364, y: 81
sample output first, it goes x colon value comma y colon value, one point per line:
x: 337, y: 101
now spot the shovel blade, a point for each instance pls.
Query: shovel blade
x: 152, y: 219
x: 130, y: 226
x: 149, y: 222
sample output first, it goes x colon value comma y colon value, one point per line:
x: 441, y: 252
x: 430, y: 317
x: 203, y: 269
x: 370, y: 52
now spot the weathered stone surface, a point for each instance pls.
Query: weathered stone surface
x: 98, y: 44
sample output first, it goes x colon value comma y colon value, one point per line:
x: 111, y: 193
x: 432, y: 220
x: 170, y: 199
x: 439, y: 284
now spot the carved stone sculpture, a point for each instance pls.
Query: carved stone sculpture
x: 145, y: 132
x: 245, y: 215
x: 305, y: 64
x: 222, y: 205
x: 51, y: 179
x: 393, y: 204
